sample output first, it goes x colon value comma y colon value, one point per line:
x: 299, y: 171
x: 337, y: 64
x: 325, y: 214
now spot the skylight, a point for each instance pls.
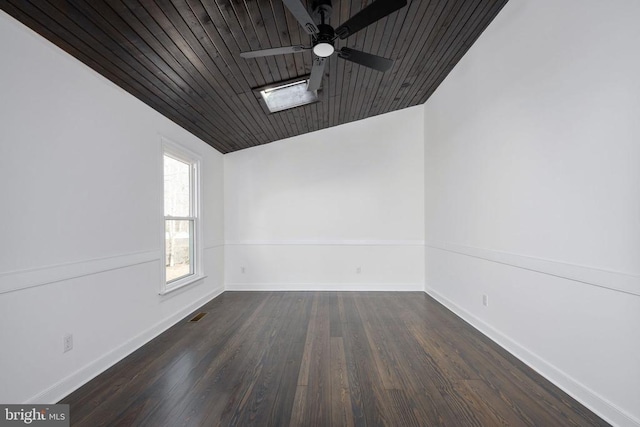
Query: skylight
x: 288, y: 95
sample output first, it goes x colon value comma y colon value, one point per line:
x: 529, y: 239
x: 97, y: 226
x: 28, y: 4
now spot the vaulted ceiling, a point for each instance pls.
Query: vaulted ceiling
x: 181, y: 57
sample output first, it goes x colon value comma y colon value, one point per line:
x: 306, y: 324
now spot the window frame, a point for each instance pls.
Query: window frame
x: 182, y: 154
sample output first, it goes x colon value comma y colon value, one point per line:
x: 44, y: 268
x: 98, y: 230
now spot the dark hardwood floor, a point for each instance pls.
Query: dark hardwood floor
x: 323, y: 359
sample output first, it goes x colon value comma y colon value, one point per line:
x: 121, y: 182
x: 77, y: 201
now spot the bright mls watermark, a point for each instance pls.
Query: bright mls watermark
x: 34, y: 415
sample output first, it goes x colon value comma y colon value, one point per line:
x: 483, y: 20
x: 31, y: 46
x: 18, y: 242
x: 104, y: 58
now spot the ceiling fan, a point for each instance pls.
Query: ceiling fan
x: 323, y: 36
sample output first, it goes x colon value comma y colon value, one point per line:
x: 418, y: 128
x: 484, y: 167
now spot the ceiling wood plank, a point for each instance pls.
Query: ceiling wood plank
x: 169, y: 43
x: 179, y: 24
x: 430, y: 82
x: 182, y: 58
x: 78, y: 48
x: 442, y: 51
x: 436, y: 46
x: 338, y: 79
x: 387, y: 49
x: 421, y: 21
x: 219, y: 19
x: 98, y: 43
x: 371, y: 78
x: 165, y: 66
x: 256, y: 25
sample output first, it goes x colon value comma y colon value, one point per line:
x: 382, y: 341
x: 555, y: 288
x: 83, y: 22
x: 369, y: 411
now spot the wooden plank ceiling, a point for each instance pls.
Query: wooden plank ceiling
x: 181, y: 57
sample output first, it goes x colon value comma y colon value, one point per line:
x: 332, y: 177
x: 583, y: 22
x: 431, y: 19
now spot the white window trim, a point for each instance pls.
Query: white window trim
x: 183, y: 154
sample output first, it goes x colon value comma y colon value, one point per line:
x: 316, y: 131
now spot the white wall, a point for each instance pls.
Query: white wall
x: 307, y: 212
x: 532, y: 178
x: 81, y: 217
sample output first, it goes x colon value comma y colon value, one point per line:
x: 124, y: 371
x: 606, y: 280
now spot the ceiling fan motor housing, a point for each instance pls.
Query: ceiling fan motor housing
x: 326, y: 34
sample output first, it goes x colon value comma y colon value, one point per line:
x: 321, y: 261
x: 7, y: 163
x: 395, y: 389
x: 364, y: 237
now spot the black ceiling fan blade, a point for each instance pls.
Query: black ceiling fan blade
x: 367, y: 59
x: 301, y: 14
x: 317, y: 72
x: 274, y: 51
x: 367, y: 16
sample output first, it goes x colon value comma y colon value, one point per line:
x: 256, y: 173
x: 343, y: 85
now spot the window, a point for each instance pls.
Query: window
x: 181, y: 226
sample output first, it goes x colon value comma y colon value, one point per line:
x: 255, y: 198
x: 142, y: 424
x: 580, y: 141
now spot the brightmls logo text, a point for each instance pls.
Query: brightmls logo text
x: 27, y: 416
x: 36, y: 415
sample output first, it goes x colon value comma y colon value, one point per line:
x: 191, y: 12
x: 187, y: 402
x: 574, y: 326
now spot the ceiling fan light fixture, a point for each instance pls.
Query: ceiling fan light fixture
x: 323, y: 49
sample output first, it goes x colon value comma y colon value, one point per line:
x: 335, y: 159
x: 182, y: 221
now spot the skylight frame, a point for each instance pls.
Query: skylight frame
x: 285, y: 83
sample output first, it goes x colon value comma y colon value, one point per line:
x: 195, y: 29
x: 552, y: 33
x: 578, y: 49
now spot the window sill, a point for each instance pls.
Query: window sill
x: 181, y: 284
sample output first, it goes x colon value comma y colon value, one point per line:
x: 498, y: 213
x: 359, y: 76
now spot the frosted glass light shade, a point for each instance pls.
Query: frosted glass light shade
x: 323, y: 50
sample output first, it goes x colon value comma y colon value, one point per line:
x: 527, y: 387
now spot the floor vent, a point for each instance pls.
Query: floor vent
x: 197, y: 317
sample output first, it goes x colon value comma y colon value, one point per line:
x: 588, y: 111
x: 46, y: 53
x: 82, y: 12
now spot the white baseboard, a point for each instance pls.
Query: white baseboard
x: 398, y: 287
x: 589, y: 398
x: 85, y: 374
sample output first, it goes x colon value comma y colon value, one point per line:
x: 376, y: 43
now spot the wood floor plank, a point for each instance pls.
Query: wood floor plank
x: 299, y: 403
x: 383, y: 357
x: 403, y: 409
x: 341, y: 412
x: 366, y: 386
x: 318, y: 394
x: 323, y: 359
x: 422, y: 378
x: 489, y: 405
x: 303, y: 376
x: 335, y: 322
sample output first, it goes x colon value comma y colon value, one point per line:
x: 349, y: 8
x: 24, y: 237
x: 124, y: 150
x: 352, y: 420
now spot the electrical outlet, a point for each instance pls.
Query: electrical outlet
x: 68, y: 342
x: 358, y: 270
x: 485, y: 300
